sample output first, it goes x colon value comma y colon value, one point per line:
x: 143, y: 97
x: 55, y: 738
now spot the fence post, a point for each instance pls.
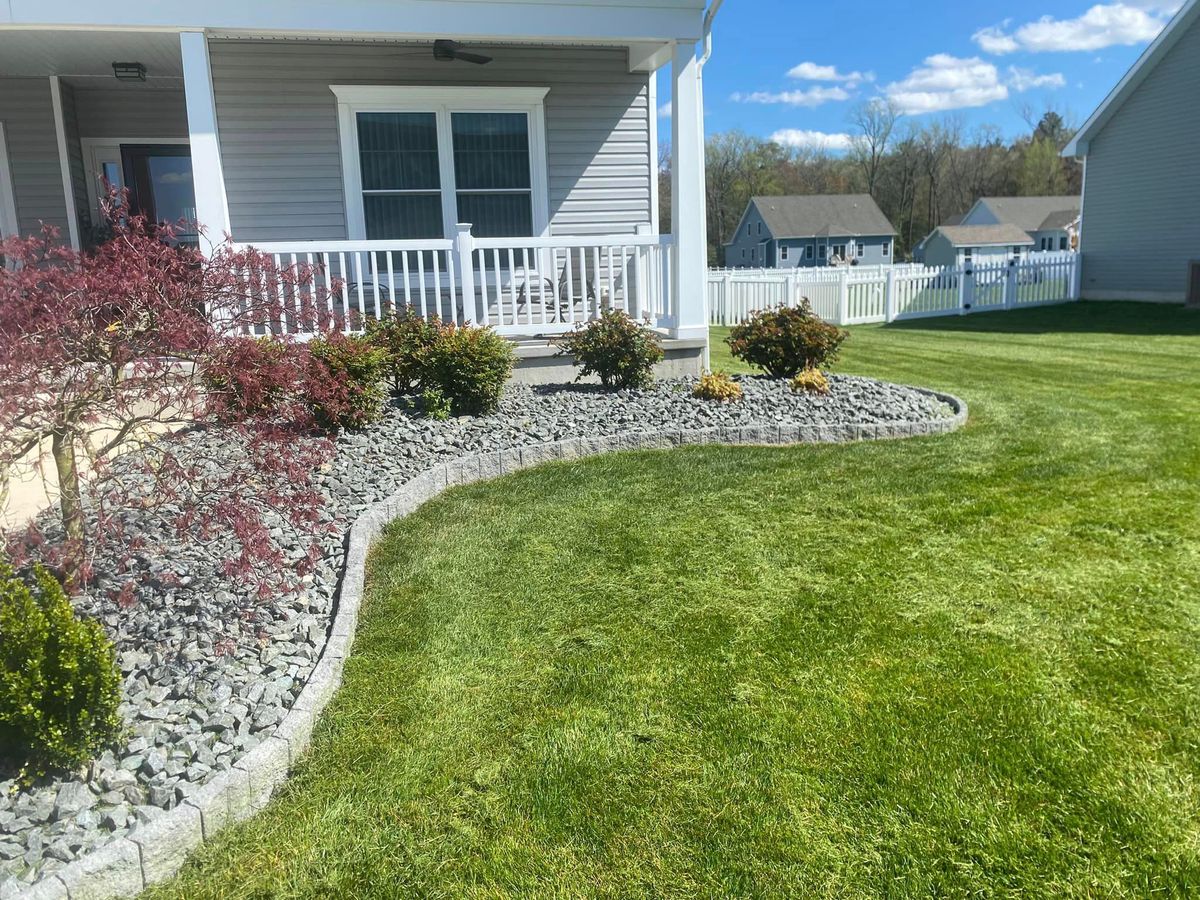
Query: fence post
x: 843, y: 308
x: 1076, y: 288
x: 727, y: 299
x: 889, y: 296
x: 464, y: 249
x: 792, y: 289
x: 966, y: 289
x: 1010, y: 285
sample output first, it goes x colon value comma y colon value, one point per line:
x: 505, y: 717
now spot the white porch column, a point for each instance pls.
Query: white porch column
x: 690, y: 252
x: 212, y: 207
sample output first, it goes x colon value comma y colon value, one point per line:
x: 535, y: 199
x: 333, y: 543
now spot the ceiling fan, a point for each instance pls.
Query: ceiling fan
x: 448, y: 51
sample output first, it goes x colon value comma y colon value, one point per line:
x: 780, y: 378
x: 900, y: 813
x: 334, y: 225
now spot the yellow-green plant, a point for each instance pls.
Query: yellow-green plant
x: 717, y: 386
x: 59, y: 682
x: 810, y: 381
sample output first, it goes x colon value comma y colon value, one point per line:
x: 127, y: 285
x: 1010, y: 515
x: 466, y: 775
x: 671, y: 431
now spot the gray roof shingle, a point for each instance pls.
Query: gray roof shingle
x: 985, y: 235
x: 823, y: 215
x: 1029, y: 213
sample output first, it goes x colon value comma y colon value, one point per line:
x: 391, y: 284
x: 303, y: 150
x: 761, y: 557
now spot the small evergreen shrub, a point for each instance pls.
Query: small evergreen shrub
x: 469, y: 367
x: 59, y: 682
x: 784, y: 342
x: 810, y: 381
x: 717, y: 386
x: 344, y: 381
x: 246, y: 376
x: 615, y: 348
x: 404, y: 338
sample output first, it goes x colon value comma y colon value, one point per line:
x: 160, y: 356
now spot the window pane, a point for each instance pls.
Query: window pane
x: 398, y: 151
x: 403, y: 217
x: 171, y: 185
x: 491, y: 150
x: 497, y: 215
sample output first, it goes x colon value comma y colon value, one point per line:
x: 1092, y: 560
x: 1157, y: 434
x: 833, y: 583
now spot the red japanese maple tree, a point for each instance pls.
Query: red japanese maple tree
x: 99, y: 353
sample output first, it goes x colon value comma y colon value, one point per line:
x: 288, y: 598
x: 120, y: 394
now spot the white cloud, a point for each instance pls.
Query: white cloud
x: 810, y: 71
x: 812, y: 140
x: 1022, y: 80
x: 664, y: 111
x: 1104, y: 25
x: 810, y: 97
x: 947, y: 82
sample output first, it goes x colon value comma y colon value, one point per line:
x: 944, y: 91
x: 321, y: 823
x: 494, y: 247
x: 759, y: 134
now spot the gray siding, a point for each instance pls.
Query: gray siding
x: 28, y: 116
x: 1141, y: 223
x: 79, y: 180
x: 748, y: 248
x: 131, y: 113
x: 279, y: 136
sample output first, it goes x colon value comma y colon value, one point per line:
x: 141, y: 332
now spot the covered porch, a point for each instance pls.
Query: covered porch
x: 520, y: 193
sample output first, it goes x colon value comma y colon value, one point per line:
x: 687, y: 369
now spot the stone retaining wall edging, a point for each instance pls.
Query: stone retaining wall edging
x: 157, y: 850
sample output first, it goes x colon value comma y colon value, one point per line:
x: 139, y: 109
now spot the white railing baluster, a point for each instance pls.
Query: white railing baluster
x: 421, y: 282
x: 391, y: 283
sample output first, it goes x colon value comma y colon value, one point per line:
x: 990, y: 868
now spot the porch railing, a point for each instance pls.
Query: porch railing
x: 519, y: 286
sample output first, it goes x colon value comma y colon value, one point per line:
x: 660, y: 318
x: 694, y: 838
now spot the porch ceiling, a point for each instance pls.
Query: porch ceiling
x: 89, y: 54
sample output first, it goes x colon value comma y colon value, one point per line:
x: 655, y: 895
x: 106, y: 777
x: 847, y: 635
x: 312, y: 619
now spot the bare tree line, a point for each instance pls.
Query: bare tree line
x: 920, y: 172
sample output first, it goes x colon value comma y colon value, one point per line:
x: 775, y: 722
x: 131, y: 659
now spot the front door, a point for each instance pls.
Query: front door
x: 159, y: 180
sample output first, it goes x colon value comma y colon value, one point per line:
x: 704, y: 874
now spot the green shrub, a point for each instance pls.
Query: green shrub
x: 469, y: 367
x: 404, y: 338
x: 435, y: 405
x: 810, y: 381
x: 785, y: 342
x: 616, y: 348
x: 59, y: 683
x: 344, y: 382
x: 717, y: 386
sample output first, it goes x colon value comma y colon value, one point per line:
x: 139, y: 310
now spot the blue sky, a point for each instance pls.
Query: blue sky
x: 793, y: 68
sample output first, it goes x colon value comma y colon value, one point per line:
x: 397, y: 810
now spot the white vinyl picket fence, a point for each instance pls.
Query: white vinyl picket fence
x: 860, y: 295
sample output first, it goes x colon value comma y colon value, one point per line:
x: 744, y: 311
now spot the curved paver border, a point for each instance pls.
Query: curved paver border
x: 156, y: 851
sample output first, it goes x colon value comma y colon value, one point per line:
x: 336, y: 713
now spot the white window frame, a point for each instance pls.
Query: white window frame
x: 808, y: 251
x: 97, y: 151
x: 823, y: 250
x: 886, y: 248
x: 442, y: 102
x: 783, y: 252
x: 9, y: 224
x: 862, y: 249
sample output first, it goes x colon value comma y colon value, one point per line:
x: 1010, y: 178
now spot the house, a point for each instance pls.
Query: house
x: 491, y: 161
x: 1050, y: 223
x: 957, y: 245
x: 918, y: 252
x: 805, y: 231
x: 1140, y: 226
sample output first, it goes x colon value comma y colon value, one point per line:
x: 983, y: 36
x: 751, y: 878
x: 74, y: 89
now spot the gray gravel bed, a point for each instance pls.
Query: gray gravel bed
x: 209, y: 670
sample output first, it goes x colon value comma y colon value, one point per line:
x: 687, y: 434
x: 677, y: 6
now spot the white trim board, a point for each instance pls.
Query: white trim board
x: 442, y: 101
x: 9, y: 223
x: 64, y: 161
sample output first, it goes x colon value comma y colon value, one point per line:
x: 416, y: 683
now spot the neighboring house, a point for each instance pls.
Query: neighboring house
x: 918, y: 252
x: 956, y: 245
x: 1048, y: 222
x: 805, y: 231
x: 334, y: 132
x: 1140, y: 228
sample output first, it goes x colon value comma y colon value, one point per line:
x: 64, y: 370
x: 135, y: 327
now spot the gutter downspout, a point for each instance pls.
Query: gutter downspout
x: 709, y: 16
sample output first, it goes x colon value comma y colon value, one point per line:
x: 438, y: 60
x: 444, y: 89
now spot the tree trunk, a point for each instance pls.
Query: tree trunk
x: 62, y: 448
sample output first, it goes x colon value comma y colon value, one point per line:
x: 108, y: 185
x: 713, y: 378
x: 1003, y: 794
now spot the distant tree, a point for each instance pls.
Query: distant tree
x: 875, y: 121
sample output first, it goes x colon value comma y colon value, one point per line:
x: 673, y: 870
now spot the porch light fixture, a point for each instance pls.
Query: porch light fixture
x: 129, y: 71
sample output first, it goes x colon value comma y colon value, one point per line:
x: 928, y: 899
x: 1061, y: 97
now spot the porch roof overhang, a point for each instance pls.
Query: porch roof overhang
x: 644, y: 27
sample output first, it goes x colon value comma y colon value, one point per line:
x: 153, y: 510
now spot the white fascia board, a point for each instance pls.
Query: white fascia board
x: 1174, y: 30
x: 618, y: 21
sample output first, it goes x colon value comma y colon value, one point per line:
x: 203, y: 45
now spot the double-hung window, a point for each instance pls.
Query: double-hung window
x: 417, y: 161
x: 783, y: 252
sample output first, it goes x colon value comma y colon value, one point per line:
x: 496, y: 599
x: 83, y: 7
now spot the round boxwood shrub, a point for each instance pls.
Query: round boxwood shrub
x: 468, y: 367
x: 784, y: 342
x: 616, y: 348
x: 59, y: 682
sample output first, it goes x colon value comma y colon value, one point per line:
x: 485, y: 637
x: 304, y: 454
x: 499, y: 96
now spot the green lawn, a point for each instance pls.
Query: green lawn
x: 963, y: 665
